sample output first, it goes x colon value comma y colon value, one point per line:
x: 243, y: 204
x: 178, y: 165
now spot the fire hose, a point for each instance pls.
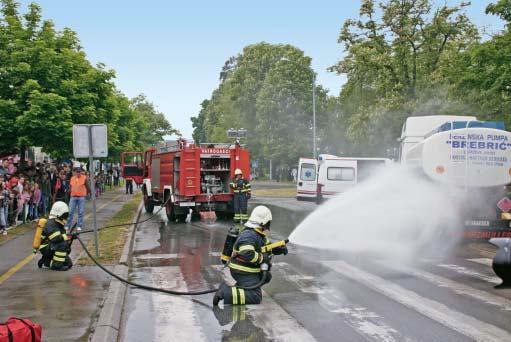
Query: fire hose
x: 264, y: 276
x: 264, y: 266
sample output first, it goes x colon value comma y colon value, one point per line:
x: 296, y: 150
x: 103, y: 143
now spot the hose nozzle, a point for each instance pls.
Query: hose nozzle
x: 271, y: 246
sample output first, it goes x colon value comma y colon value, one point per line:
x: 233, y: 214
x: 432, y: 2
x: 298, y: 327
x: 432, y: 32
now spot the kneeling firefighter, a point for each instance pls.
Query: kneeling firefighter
x: 250, y: 251
x: 55, y: 244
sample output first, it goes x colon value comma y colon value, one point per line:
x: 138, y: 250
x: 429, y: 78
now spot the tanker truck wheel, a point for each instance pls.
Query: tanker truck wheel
x: 148, y: 203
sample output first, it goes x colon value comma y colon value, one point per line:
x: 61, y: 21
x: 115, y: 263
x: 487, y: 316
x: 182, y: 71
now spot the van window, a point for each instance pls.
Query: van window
x: 340, y: 174
x: 308, y: 172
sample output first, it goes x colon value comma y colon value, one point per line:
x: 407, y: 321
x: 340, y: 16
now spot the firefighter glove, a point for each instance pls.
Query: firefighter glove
x: 280, y: 250
x: 266, y: 258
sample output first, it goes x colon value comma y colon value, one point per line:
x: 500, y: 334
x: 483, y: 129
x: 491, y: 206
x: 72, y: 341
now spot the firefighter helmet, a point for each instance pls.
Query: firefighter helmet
x: 59, y: 210
x: 238, y: 172
x: 260, y: 217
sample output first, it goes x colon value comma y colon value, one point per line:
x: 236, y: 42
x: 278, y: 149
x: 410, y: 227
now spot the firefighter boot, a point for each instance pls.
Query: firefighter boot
x: 219, y: 295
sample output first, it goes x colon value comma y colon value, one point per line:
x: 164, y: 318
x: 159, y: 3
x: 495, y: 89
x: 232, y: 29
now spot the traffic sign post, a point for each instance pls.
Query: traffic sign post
x: 91, y: 141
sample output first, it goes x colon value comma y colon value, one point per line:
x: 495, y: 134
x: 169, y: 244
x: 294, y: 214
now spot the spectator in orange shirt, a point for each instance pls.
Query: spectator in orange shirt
x: 79, y: 191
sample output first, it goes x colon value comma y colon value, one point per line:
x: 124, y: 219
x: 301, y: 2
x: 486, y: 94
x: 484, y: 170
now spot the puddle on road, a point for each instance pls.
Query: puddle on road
x: 180, y: 257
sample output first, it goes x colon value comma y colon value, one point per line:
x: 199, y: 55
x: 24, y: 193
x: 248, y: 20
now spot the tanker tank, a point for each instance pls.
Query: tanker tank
x: 469, y: 154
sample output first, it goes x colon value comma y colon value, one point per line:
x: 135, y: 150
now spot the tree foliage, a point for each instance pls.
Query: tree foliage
x: 47, y: 85
x: 395, y: 55
x: 267, y: 89
x: 481, y: 76
x: 402, y: 58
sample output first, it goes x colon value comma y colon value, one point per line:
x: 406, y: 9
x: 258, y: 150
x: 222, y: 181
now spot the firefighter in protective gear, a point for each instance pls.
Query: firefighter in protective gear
x: 55, y: 244
x: 242, y: 192
x: 246, y: 260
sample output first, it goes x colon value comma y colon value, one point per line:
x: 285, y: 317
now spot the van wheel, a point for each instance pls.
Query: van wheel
x: 148, y: 202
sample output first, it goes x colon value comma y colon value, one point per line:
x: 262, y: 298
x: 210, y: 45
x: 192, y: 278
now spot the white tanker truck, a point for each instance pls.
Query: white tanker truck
x: 464, y: 152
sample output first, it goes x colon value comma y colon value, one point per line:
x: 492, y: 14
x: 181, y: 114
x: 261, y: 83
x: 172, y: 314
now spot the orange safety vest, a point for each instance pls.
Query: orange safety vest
x: 78, y: 188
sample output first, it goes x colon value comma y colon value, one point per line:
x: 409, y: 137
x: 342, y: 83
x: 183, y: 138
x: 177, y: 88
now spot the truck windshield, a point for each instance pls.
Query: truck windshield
x: 133, y: 159
x: 308, y: 172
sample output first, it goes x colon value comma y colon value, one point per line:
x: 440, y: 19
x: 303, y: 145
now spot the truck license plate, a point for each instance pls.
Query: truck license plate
x: 187, y: 204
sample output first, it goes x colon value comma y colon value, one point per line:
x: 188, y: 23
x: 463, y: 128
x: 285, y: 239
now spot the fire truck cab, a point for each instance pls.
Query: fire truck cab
x: 132, y: 166
x: 187, y: 176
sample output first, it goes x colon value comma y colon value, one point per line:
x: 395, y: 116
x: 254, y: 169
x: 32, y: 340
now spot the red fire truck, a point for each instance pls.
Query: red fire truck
x: 189, y: 176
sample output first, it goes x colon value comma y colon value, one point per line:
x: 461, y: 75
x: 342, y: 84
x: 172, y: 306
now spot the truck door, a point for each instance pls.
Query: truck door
x: 339, y: 176
x: 189, y: 180
x: 148, y: 155
x: 306, y: 186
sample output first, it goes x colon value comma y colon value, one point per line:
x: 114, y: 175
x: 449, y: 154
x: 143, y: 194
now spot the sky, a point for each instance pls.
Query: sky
x: 173, y: 51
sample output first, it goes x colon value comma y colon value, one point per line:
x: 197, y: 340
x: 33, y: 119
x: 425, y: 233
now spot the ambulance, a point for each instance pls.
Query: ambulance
x: 330, y: 175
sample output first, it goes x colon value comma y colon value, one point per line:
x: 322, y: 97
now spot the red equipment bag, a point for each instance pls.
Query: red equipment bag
x: 20, y: 330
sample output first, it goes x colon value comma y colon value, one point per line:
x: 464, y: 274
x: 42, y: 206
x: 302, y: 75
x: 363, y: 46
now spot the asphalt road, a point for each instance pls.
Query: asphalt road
x: 314, y: 294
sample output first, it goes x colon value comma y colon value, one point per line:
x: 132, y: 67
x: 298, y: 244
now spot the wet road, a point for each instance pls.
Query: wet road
x: 314, y: 295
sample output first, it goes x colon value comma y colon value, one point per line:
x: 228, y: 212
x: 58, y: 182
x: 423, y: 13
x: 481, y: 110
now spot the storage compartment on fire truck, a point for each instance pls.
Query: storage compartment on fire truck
x: 215, y: 174
x: 177, y: 169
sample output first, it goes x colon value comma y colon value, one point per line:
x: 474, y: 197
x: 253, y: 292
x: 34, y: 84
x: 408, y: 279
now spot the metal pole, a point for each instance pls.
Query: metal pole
x: 270, y: 170
x: 314, y: 114
x: 93, y: 191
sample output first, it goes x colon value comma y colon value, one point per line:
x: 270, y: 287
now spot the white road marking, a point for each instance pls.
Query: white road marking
x: 175, y: 317
x: 482, y: 261
x: 362, y: 320
x: 483, y: 296
x: 470, y: 273
x: 457, y: 321
x: 276, y: 323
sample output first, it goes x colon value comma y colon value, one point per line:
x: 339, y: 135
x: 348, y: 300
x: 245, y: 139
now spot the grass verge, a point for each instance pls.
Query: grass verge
x: 281, y: 192
x: 112, y: 240
x: 18, y: 230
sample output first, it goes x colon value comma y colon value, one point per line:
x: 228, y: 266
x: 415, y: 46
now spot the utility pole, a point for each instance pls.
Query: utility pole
x: 92, y: 188
x: 314, y: 115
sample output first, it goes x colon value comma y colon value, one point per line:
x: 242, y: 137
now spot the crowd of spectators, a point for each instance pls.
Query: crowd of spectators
x: 28, y: 190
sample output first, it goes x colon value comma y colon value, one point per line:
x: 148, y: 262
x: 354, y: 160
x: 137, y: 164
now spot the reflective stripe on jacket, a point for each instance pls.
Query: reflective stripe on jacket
x: 240, y: 185
x: 53, y: 234
x: 247, y: 256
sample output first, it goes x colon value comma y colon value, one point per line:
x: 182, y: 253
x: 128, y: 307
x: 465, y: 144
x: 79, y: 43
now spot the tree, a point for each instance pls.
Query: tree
x: 47, y: 85
x: 268, y: 96
x: 501, y: 8
x: 394, y: 58
x: 481, y: 76
x: 155, y: 125
x: 198, y: 124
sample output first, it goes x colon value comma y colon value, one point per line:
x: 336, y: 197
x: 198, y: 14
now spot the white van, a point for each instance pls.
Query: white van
x: 330, y: 175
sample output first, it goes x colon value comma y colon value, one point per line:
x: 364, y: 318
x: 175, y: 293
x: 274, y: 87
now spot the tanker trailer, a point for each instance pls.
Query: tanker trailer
x: 474, y: 156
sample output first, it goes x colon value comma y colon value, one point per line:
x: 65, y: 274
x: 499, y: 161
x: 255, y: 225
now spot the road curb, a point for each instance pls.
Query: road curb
x: 128, y: 247
x: 109, y: 322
